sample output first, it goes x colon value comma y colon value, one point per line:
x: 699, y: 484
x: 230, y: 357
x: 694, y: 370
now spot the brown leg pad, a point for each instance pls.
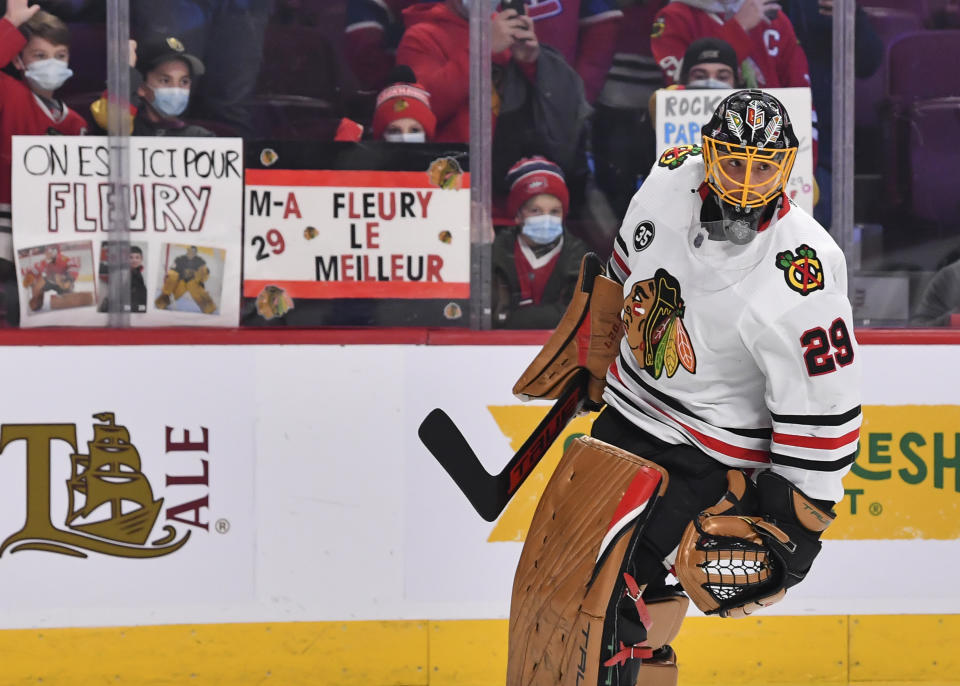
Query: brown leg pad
x: 667, y: 615
x: 556, y: 612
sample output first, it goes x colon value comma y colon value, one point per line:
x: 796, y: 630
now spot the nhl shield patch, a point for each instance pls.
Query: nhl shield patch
x: 803, y: 271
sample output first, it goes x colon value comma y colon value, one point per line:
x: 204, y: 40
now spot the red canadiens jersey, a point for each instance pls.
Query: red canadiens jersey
x: 746, y: 352
x: 770, y: 55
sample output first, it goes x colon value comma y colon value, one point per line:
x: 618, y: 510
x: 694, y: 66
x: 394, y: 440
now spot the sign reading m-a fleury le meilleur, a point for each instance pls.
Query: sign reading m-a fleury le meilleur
x: 356, y: 236
x: 185, y: 200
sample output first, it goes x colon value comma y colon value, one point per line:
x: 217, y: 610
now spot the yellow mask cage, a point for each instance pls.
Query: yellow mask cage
x: 724, y: 177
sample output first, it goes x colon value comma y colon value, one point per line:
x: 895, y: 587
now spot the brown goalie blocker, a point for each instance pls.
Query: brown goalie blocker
x: 587, y: 336
x: 583, y: 531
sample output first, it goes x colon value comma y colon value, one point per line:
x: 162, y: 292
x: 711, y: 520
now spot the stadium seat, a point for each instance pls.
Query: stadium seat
x: 920, y: 8
x: 889, y: 24
x: 298, y: 61
x: 934, y: 160
x: 916, y: 66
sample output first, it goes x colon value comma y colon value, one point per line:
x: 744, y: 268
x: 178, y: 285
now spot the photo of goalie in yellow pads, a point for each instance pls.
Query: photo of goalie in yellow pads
x: 191, y: 278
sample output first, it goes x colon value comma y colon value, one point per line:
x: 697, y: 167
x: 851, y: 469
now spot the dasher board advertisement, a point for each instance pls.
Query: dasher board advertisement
x: 348, y: 234
x: 130, y: 495
x: 185, y: 201
x: 682, y: 113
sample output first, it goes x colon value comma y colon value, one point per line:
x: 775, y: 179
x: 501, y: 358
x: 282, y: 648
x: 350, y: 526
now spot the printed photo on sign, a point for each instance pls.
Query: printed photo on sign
x: 191, y: 279
x: 137, y: 259
x: 57, y: 276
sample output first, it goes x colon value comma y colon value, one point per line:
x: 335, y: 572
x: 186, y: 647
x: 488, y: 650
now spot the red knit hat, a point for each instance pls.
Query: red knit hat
x: 532, y: 176
x: 403, y: 101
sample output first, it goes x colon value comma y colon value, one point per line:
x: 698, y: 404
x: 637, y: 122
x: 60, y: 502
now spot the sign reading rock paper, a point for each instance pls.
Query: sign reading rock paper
x: 185, y: 199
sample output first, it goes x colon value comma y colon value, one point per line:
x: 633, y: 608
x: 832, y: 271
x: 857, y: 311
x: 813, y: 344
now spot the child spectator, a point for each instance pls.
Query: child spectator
x: 37, y: 44
x: 535, y: 263
x: 161, y: 77
x: 403, y: 113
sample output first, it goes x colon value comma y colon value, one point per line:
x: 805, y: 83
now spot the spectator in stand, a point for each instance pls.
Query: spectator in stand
x: 624, y: 141
x: 535, y: 263
x: 436, y: 46
x: 813, y: 21
x: 710, y: 63
x: 707, y: 63
x: 403, y: 113
x: 38, y: 45
x: 940, y: 300
x: 161, y: 77
x: 584, y: 31
x: 226, y: 35
x: 372, y: 35
x: 767, y: 48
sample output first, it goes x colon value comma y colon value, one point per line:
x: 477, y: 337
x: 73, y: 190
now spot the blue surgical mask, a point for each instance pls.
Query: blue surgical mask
x: 542, y: 228
x: 171, y: 101
x: 49, y: 74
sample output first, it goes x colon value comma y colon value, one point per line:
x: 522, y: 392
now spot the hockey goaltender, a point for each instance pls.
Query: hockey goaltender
x: 718, y: 343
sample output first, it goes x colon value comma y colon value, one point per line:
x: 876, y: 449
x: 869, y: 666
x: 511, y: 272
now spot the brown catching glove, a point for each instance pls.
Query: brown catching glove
x: 732, y: 565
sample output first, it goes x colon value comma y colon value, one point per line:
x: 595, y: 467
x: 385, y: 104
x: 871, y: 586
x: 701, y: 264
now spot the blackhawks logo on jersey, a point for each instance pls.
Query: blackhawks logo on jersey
x: 803, y: 271
x: 653, y: 322
x: 675, y: 156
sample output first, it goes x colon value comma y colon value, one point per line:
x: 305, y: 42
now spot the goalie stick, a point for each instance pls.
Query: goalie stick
x: 490, y: 493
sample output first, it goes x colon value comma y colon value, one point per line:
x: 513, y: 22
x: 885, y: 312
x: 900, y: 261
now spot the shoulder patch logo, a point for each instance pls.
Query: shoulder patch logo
x: 653, y: 321
x: 803, y: 271
x: 643, y: 235
x: 674, y: 157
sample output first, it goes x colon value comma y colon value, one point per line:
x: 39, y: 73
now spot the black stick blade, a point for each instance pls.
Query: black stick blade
x: 445, y: 442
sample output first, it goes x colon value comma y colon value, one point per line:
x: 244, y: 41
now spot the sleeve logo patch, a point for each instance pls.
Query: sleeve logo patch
x: 674, y: 157
x: 643, y: 235
x: 803, y: 271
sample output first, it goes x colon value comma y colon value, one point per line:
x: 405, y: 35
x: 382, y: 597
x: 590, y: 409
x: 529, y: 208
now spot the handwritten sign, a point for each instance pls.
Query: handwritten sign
x: 185, y: 199
x: 315, y: 236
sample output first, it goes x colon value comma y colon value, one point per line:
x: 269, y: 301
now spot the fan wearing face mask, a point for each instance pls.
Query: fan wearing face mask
x: 403, y: 113
x: 162, y: 75
x: 536, y: 262
x: 37, y: 44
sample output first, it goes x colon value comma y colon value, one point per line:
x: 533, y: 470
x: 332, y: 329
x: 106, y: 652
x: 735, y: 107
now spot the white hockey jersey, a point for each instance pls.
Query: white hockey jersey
x: 745, y: 351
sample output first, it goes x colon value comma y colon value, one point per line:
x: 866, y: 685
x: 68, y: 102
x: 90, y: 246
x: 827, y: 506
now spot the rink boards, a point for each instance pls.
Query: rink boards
x: 304, y: 535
